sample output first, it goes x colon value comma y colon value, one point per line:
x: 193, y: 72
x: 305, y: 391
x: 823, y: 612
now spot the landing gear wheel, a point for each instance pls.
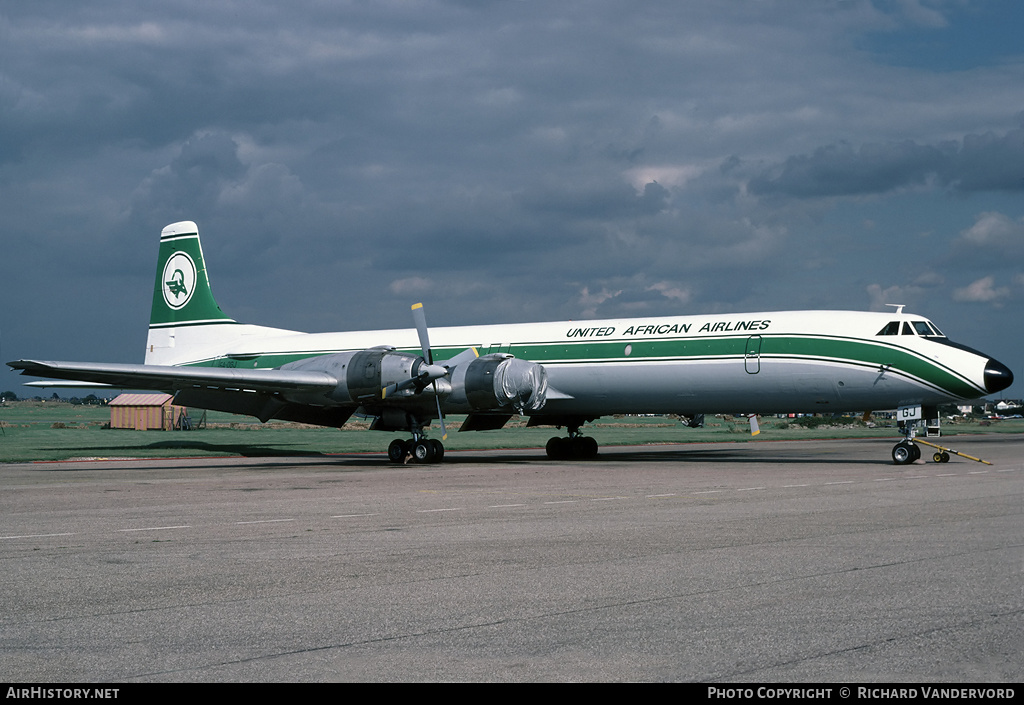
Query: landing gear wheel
x: 438, y: 450
x: 584, y: 447
x: 557, y: 448
x: 903, y: 453
x: 397, y: 451
x: 575, y: 448
x: 423, y: 452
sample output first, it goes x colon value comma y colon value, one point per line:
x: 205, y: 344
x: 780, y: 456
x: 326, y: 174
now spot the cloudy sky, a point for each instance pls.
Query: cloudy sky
x: 510, y: 161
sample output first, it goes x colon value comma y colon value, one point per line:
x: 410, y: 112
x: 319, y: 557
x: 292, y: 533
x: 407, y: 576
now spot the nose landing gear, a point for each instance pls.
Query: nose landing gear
x: 905, y: 452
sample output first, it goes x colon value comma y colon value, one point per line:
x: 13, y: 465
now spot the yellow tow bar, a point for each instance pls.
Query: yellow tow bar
x: 943, y: 455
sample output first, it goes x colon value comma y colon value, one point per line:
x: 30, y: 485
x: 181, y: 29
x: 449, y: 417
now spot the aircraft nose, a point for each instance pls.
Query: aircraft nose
x: 997, y: 376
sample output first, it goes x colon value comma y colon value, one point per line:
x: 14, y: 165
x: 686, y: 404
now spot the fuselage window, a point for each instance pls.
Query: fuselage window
x: 892, y: 328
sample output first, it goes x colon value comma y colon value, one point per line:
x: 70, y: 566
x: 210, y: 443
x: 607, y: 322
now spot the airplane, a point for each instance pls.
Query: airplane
x: 562, y: 374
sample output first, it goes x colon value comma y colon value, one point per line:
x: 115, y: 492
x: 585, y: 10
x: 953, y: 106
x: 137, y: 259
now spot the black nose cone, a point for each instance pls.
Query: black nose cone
x: 997, y: 376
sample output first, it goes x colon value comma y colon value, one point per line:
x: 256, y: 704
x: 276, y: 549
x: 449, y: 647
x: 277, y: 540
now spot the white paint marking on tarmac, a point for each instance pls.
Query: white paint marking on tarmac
x: 448, y: 509
x: 670, y: 494
x: 34, y: 536
x: 157, y: 528
x: 263, y: 521
x: 564, y: 501
x: 505, y: 506
x: 353, y: 516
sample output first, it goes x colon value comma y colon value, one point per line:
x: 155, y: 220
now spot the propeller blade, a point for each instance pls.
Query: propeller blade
x: 465, y: 356
x: 420, y: 319
x: 440, y: 416
x: 754, y: 428
x: 431, y: 372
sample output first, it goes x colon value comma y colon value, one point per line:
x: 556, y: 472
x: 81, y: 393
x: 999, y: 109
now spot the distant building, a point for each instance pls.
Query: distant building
x: 146, y: 412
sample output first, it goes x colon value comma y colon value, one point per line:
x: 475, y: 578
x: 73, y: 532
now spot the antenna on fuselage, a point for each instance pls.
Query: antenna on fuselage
x: 899, y: 307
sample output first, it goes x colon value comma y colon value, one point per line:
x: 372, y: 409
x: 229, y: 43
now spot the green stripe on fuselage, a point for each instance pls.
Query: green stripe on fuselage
x: 850, y: 351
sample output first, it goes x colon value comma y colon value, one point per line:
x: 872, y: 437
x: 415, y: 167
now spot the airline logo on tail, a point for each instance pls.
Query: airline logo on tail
x: 179, y: 280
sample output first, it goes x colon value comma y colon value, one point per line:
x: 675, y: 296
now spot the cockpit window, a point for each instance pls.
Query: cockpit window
x: 923, y: 328
x: 927, y: 329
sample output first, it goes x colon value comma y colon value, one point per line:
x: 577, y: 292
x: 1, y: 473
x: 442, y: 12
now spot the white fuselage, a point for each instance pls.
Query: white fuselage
x: 771, y: 362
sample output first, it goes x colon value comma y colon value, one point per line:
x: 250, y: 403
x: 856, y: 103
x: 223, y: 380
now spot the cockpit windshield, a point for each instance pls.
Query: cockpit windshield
x: 925, y: 328
x: 922, y: 328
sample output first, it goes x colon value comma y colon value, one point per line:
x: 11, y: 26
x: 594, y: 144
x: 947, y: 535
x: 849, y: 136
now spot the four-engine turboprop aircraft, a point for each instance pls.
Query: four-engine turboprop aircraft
x: 561, y: 374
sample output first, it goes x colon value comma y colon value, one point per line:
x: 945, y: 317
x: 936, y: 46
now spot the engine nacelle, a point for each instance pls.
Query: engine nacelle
x: 498, y: 381
x: 362, y: 375
x: 493, y: 382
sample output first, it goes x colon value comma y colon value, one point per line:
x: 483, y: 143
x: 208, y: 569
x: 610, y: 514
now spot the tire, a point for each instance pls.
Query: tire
x: 438, y: 450
x: 903, y: 453
x: 557, y: 448
x: 584, y: 448
x: 423, y: 452
x: 396, y: 451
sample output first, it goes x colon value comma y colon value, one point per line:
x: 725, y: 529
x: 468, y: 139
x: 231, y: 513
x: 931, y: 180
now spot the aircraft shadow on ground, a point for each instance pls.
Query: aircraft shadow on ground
x: 649, y: 455
x: 246, y: 451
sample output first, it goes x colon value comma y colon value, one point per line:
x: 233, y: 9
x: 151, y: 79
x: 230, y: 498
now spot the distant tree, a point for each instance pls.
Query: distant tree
x: 8, y: 396
x: 55, y: 397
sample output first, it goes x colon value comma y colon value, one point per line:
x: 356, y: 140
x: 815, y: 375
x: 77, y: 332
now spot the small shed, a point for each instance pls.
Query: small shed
x: 145, y: 412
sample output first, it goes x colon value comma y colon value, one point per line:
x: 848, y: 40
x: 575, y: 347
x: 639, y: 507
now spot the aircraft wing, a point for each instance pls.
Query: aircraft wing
x: 168, y: 378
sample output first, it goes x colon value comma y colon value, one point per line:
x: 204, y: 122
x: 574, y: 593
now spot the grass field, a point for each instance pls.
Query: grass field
x: 46, y: 431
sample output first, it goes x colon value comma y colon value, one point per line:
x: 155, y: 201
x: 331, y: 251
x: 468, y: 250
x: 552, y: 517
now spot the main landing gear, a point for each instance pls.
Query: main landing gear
x: 417, y: 450
x: 575, y: 447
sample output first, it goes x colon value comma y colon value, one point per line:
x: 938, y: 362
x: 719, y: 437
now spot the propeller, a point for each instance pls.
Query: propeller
x: 429, y: 373
x: 420, y: 319
x: 754, y: 428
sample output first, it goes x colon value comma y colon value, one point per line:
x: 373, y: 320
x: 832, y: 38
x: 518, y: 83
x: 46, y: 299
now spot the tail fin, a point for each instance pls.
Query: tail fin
x: 184, y: 309
x: 182, y: 293
x: 186, y: 326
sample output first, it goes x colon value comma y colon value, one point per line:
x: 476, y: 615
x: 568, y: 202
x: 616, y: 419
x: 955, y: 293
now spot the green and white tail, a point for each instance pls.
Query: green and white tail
x: 185, y: 324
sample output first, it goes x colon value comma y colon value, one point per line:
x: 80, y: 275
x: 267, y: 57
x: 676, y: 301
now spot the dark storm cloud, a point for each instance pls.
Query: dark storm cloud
x: 986, y: 162
x: 508, y: 161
